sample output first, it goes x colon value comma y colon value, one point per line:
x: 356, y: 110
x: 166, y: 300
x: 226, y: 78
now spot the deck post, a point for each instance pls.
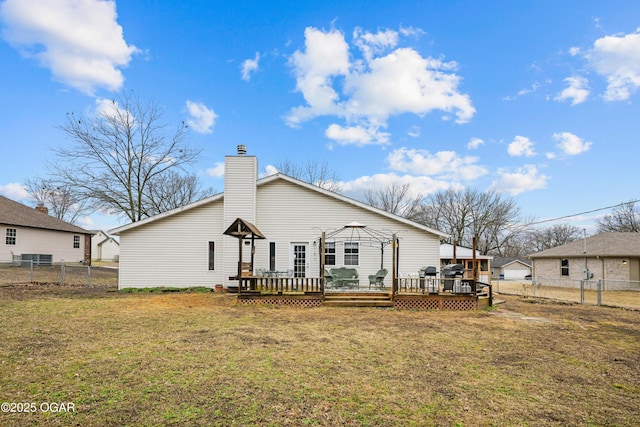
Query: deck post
x: 394, y: 269
x: 322, y: 262
x: 239, y: 264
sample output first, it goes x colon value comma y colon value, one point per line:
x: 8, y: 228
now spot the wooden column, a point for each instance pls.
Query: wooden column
x: 322, y: 261
x: 394, y: 269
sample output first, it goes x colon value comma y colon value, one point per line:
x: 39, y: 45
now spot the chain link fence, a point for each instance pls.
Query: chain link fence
x: 72, y: 274
x: 615, y: 293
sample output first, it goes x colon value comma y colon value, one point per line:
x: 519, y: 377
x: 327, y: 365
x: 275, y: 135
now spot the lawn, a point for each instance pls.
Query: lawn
x: 198, y: 359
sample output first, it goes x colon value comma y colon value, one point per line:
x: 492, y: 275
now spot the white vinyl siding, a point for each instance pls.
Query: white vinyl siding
x: 59, y: 244
x: 241, y: 173
x: 289, y: 213
x: 173, y: 251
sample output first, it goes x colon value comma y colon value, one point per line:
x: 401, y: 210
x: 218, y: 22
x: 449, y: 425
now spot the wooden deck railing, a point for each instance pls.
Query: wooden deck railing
x: 436, y: 285
x: 280, y: 284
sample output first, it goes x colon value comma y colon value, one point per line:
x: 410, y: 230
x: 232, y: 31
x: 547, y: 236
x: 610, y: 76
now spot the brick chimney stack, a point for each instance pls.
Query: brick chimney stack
x: 43, y: 209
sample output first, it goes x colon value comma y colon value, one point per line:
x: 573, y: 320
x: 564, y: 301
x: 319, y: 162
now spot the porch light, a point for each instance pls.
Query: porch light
x: 624, y: 262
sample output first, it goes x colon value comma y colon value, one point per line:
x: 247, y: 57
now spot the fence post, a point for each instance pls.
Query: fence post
x: 89, y: 274
x: 62, y: 274
x: 599, y: 287
x: 581, y: 291
x: 30, y: 271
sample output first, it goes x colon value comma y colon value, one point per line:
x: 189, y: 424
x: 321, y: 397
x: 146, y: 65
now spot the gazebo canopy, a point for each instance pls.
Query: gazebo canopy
x: 355, y: 231
x: 242, y: 229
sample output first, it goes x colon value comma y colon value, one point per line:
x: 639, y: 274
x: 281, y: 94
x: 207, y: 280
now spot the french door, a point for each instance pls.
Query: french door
x: 299, y: 259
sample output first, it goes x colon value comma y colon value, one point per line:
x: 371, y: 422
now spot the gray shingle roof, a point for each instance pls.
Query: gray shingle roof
x: 604, y: 245
x: 17, y: 214
x: 501, y: 262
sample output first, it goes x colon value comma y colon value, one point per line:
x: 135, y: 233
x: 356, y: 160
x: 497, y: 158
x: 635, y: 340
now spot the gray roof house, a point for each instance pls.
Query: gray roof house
x: 32, y: 234
x: 613, y: 258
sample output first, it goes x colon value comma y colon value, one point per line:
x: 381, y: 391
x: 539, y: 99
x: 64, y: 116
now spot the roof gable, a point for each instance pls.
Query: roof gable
x: 279, y: 176
x: 17, y: 214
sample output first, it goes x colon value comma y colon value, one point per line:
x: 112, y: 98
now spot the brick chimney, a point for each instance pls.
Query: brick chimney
x: 43, y: 209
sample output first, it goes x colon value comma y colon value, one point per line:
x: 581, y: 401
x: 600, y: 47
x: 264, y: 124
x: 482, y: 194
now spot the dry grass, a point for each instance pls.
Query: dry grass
x: 199, y: 359
x: 624, y: 299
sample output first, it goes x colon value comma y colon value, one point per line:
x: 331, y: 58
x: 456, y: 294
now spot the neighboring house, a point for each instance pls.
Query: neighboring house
x: 510, y: 268
x: 186, y: 247
x: 104, y: 247
x: 32, y: 234
x: 463, y: 255
x: 613, y: 258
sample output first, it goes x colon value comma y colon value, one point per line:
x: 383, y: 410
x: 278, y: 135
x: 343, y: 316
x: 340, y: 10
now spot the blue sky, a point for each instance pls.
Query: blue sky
x: 537, y: 100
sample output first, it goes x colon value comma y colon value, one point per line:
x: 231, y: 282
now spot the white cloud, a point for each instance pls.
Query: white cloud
x: 356, y: 135
x: 526, y: 178
x: 269, y: 170
x: 422, y: 185
x: 201, y: 117
x: 217, y: 171
x: 577, y: 90
x: 371, y: 44
x: 475, y: 143
x: 110, y: 108
x: 250, y: 66
x: 617, y: 58
x: 521, y: 146
x: 570, y: 144
x: 414, y: 132
x: 80, y: 42
x: 14, y: 191
x: 445, y: 164
x: 366, y: 92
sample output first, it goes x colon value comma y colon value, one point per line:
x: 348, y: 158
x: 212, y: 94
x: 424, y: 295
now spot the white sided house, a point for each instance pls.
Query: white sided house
x: 33, y: 235
x: 104, y: 247
x: 186, y: 247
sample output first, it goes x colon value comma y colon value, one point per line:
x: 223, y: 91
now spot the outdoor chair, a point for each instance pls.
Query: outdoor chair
x: 378, y: 278
x: 328, y: 278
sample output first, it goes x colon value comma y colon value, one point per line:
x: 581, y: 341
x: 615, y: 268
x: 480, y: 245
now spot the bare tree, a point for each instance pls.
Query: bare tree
x: 395, y: 198
x: 170, y: 190
x: 118, y: 153
x: 313, y: 171
x: 62, y: 201
x: 541, y: 239
x: 624, y: 218
x: 489, y: 216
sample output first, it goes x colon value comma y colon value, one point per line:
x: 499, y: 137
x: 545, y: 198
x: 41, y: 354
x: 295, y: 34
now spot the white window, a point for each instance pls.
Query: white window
x: 351, y: 253
x: 329, y: 253
x: 11, y: 236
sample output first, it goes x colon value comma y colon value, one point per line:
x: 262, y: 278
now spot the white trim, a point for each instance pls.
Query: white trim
x: 307, y: 255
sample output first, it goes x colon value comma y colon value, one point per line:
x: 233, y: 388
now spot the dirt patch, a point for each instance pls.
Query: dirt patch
x: 519, y: 316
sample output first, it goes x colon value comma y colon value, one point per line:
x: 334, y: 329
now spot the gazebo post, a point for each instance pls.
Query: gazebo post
x: 322, y: 261
x: 394, y: 272
x: 239, y: 263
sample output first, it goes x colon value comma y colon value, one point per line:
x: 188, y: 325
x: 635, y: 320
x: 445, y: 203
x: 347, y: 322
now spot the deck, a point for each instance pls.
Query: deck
x: 407, y: 294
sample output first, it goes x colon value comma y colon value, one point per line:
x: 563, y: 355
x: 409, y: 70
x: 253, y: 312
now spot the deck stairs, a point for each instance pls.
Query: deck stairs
x: 357, y: 299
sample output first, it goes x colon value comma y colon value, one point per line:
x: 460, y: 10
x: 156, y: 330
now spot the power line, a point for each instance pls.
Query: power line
x: 581, y: 213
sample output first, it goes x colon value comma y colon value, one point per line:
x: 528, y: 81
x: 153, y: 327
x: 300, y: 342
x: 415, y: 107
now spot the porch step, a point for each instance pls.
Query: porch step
x: 360, y: 299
